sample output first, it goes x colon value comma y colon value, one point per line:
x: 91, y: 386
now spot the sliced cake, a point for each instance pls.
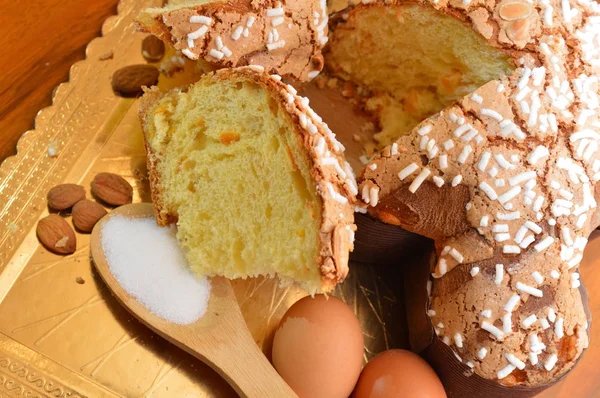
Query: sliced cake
x: 255, y: 182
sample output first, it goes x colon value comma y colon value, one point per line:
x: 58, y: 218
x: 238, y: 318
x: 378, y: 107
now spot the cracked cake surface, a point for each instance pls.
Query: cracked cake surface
x: 504, y: 180
x: 285, y: 37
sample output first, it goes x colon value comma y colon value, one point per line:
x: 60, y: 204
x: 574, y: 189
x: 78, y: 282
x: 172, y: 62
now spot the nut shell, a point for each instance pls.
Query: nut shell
x: 112, y: 189
x: 56, y: 235
x: 86, y: 214
x: 63, y: 196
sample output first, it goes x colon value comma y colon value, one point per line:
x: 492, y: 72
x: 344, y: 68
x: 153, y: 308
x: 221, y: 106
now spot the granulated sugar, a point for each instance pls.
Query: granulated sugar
x: 147, y: 262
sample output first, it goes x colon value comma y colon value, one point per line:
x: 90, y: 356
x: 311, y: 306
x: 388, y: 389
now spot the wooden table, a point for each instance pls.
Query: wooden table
x: 40, y: 41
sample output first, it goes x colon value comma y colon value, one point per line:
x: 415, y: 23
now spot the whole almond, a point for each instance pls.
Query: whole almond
x: 112, y: 189
x: 56, y: 235
x: 153, y: 49
x: 86, y: 214
x: 128, y: 81
x: 65, y: 195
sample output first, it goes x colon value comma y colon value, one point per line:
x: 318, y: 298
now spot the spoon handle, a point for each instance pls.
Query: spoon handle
x: 248, y: 371
x: 228, y: 347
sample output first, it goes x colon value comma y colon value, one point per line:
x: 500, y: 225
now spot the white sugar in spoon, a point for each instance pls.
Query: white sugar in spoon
x: 220, y: 338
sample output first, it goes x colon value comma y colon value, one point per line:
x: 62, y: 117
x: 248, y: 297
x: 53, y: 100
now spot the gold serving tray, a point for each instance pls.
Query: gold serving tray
x: 61, y: 338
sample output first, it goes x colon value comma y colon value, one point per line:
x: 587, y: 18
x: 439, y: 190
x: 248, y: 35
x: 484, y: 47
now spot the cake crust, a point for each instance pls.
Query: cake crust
x: 285, y: 37
x: 505, y: 182
x: 331, y: 174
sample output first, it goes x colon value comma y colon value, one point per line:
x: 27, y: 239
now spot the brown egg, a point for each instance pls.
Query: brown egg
x: 318, y: 348
x: 398, y: 373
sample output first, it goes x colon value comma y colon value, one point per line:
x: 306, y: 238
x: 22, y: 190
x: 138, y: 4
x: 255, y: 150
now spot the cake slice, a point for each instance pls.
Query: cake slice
x: 286, y: 37
x: 255, y: 182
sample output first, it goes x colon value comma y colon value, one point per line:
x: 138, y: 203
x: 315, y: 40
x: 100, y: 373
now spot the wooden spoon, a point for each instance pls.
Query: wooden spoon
x: 220, y: 338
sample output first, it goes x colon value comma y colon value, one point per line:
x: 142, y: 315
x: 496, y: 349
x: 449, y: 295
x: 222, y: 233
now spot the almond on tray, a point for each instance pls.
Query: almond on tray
x: 64, y: 196
x: 56, y: 234
x: 128, y: 81
x: 112, y: 189
x: 153, y: 49
x: 86, y: 214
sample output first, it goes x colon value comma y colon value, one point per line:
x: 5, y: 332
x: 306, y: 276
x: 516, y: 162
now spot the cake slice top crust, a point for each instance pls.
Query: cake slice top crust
x: 285, y: 37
